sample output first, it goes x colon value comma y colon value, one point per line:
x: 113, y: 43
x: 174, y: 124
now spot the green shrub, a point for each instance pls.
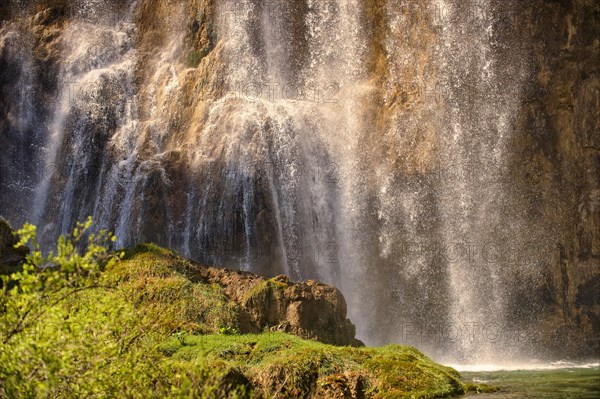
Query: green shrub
x: 70, y: 331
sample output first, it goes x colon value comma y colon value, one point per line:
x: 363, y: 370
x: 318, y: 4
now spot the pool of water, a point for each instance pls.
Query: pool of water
x: 551, y: 382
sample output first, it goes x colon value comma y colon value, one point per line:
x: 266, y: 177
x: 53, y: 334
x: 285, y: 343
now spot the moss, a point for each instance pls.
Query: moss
x: 278, y: 364
x: 202, y: 39
x: 480, y: 388
x: 268, y: 364
x: 195, y: 56
x: 263, y: 291
x: 156, y: 281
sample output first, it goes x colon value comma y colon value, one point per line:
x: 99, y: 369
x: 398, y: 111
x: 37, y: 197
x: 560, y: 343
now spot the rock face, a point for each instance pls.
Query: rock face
x: 307, y: 309
x: 555, y: 174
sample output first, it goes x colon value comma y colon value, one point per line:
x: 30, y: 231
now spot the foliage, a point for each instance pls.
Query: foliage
x: 48, y: 280
x: 69, y: 331
x: 228, y: 331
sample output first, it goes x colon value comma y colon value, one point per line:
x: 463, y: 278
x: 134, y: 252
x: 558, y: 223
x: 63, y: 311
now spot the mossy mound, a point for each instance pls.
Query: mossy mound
x: 203, y: 318
x: 284, y: 366
x: 157, y: 282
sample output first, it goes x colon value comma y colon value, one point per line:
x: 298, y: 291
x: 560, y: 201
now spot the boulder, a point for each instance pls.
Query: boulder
x: 310, y: 310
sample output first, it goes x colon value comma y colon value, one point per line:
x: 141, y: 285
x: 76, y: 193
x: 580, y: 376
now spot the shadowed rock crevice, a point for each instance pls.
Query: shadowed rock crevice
x: 11, y: 258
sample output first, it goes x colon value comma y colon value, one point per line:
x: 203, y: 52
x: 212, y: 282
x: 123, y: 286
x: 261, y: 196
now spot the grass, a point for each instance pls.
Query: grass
x: 263, y: 291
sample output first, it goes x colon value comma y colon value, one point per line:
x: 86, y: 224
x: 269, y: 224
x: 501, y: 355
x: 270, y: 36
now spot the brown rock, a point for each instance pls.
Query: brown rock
x: 309, y: 310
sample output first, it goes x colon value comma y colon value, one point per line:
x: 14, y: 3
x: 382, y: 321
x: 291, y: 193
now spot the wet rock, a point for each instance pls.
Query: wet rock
x: 46, y: 17
x: 552, y: 158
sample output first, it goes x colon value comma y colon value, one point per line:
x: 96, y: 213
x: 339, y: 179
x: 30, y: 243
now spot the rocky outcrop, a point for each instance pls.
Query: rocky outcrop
x: 307, y: 309
x: 191, y: 297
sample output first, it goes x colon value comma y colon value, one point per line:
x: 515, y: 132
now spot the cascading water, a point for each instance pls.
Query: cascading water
x: 363, y: 143
x: 482, y: 102
x: 95, y: 100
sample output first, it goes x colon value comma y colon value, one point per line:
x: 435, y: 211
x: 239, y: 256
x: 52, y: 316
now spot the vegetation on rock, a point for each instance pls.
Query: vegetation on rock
x: 282, y: 365
x: 86, y: 322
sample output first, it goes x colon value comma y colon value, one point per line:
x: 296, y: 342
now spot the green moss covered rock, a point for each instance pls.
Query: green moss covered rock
x: 148, y: 323
x: 207, y: 299
x: 278, y: 365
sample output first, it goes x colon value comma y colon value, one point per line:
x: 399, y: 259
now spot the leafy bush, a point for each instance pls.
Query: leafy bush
x: 69, y: 331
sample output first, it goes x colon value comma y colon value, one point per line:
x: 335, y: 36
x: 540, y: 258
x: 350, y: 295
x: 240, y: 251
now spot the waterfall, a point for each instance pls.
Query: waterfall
x: 94, y: 109
x: 481, y: 105
x: 367, y: 144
